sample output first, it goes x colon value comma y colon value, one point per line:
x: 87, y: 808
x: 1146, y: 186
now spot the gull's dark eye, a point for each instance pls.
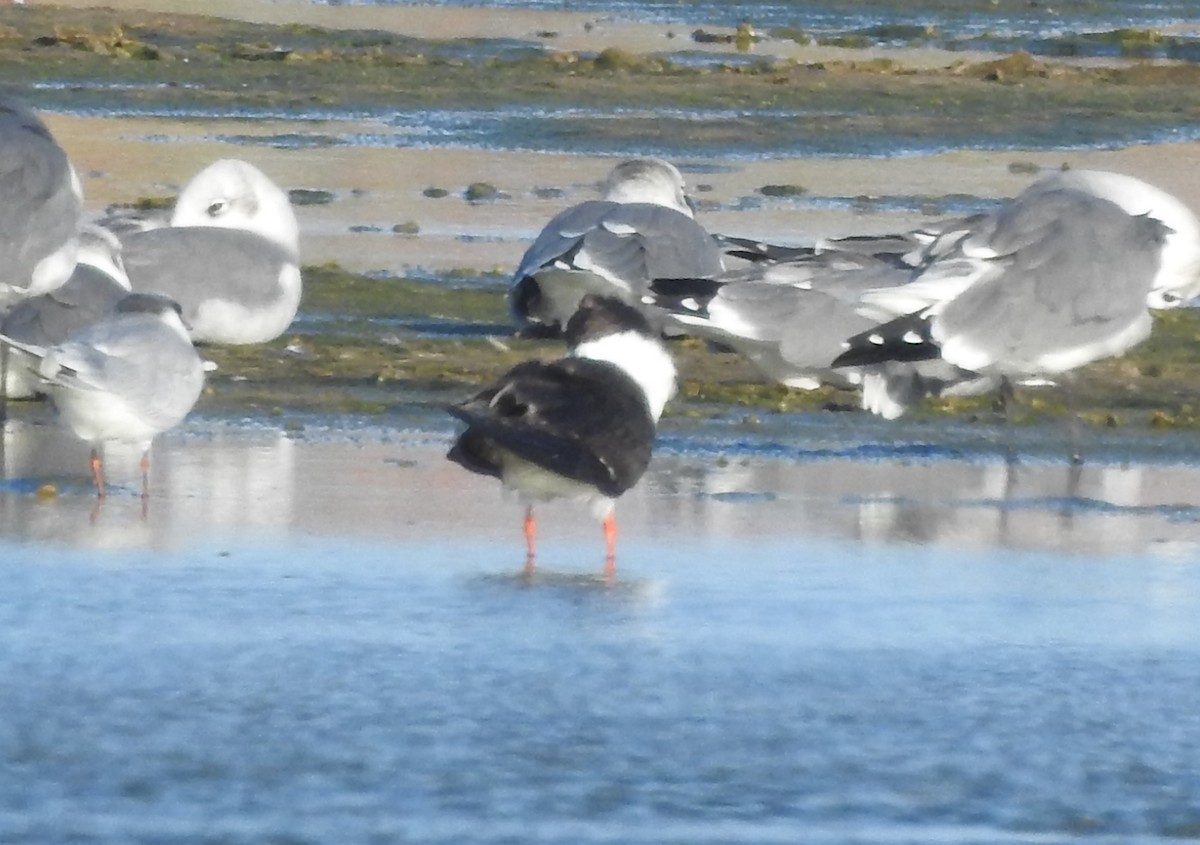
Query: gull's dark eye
x: 217, y: 207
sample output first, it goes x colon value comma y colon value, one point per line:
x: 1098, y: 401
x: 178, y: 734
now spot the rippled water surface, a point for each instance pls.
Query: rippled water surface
x: 967, y: 16
x: 821, y: 629
x: 331, y: 639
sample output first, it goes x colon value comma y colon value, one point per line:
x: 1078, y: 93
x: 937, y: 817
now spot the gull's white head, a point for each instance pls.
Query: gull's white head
x: 234, y: 194
x: 649, y: 180
x: 1178, y: 278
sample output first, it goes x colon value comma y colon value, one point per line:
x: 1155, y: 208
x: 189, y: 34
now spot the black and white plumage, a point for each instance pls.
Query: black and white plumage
x: 124, y: 379
x: 791, y: 309
x: 1055, y: 279
x: 642, y: 229
x: 41, y: 203
x: 230, y: 257
x: 92, y: 292
x: 788, y: 316
x: 580, y: 427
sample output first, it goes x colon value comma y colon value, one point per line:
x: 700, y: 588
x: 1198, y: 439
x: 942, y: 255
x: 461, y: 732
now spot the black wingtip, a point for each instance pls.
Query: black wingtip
x: 906, y: 338
x: 684, y: 296
x: 759, y: 251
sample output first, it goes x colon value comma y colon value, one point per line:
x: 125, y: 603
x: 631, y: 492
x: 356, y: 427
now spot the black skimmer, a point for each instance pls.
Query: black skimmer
x: 580, y: 427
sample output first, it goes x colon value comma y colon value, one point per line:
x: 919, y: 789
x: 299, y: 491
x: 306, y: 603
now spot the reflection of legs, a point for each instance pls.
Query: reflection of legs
x: 1074, y: 436
x: 1005, y: 399
x: 98, y: 473
x: 1071, y: 494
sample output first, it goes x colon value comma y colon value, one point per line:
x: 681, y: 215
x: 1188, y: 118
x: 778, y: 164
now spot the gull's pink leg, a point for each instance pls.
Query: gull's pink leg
x: 98, y: 473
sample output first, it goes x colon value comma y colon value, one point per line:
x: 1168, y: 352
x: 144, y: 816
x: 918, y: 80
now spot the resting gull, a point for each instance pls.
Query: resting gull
x: 92, y: 292
x: 790, y: 311
x: 642, y: 229
x: 230, y: 257
x: 40, y: 207
x: 1058, y: 277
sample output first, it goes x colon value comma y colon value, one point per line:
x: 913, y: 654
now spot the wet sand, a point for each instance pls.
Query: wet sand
x: 121, y: 160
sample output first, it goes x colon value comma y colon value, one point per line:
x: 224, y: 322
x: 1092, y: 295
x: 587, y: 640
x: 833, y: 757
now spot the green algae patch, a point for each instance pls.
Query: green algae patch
x: 346, y: 355
x: 483, y: 192
x: 876, y: 102
x: 782, y: 190
x: 329, y: 289
x: 1013, y: 68
x: 116, y: 43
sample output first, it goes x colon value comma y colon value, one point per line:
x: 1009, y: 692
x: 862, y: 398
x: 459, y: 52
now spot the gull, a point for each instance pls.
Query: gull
x: 642, y: 229
x: 90, y: 294
x: 1060, y: 276
x: 230, y: 257
x: 581, y: 427
x: 788, y: 318
x: 124, y: 379
x: 790, y: 311
x: 41, y: 203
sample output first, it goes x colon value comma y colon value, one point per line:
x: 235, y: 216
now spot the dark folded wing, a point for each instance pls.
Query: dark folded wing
x: 582, y: 419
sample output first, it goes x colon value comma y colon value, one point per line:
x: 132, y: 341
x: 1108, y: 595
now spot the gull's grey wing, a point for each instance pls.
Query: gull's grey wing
x: 197, y: 263
x: 560, y: 237
x: 39, y: 206
x: 134, y: 357
x: 608, y: 248
x: 49, y: 318
x: 641, y: 241
x: 1073, y: 273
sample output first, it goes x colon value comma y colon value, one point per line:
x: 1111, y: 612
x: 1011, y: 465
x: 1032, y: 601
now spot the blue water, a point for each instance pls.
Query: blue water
x: 956, y: 16
x: 335, y: 690
x: 1075, y: 28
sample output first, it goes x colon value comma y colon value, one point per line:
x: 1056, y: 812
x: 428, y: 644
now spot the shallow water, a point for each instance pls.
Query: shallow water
x: 327, y: 636
x: 835, y: 131
x: 963, y: 16
x: 1075, y: 28
x: 822, y: 628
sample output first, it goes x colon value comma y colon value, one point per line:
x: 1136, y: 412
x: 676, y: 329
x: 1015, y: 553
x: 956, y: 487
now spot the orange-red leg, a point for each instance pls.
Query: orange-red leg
x: 610, y: 543
x: 98, y: 473
x: 530, y: 526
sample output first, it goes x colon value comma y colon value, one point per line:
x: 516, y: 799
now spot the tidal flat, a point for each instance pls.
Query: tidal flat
x: 824, y: 627
x: 112, y: 61
x: 407, y: 296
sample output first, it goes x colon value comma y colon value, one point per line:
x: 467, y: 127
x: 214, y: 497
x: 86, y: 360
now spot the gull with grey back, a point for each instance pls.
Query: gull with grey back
x: 230, y: 257
x: 92, y: 292
x: 124, y: 379
x: 642, y: 229
x: 1061, y: 276
x: 41, y: 204
x: 789, y: 310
